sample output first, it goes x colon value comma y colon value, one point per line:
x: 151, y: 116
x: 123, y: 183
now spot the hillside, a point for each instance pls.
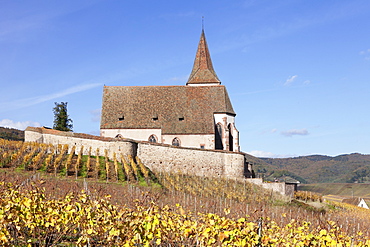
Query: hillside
x: 340, y: 189
x: 349, y: 168
x: 68, y: 192
x: 11, y: 134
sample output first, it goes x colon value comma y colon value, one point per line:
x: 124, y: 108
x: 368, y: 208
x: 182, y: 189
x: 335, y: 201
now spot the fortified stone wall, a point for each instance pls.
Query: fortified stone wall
x: 191, y: 161
x: 156, y: 156
x: 161, y: 157
x: 50, y: 136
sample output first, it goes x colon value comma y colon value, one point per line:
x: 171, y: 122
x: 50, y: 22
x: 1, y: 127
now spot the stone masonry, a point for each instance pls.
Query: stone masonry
x: 162, y: 157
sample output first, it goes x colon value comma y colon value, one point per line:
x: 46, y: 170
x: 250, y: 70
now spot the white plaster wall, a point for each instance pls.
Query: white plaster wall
x: 363, y: 204
x: 193, y: 141
x: 136, y: 134
x: 219, y: 118
x: 225, y: 120
x: 203, y: 85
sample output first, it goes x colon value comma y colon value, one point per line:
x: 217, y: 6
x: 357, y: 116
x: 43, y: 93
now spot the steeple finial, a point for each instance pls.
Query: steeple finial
x: 203, y: 72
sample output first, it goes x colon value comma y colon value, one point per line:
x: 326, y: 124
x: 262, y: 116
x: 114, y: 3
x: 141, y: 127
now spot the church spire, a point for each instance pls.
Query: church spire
x: 203, y: 72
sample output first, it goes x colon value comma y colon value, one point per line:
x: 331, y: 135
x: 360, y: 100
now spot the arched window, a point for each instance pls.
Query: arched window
x: 153, y: 138
x: 218, y: 137
x: 119, y: 136
x: 231, y: 138
x: 176, y: 142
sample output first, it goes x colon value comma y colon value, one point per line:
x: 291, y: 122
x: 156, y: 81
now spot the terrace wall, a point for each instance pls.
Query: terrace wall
x: 159, y: 157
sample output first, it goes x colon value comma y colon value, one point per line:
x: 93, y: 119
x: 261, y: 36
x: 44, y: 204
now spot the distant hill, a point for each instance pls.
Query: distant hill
x: 339, y: 189
x: 348, y: 168
x: 11, y: 134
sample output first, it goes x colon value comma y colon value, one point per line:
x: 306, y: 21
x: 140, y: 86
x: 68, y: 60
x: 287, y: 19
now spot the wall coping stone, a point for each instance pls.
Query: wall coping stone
x: 43, y: 130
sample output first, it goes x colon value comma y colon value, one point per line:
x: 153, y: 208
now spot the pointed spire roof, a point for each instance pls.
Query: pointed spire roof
x: 203, y: 72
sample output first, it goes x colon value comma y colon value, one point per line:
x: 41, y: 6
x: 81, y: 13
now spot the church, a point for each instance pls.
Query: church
x: 196, y: 115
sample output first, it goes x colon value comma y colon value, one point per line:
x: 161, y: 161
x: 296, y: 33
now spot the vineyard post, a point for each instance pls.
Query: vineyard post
x: 259, y: 231
x: 115, y: 164
x: 106, y: 159
x: 97, y: 163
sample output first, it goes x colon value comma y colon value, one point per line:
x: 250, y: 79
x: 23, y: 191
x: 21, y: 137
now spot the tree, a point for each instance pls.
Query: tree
x: 61, y: 119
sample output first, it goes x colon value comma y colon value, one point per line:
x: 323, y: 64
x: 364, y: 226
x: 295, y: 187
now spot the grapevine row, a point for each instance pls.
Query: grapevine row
x: 29, y: 218
x: 63, y: 160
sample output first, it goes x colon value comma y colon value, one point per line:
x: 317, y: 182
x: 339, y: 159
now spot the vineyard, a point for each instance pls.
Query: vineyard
x: 55, y: 196
x: 62, y: 160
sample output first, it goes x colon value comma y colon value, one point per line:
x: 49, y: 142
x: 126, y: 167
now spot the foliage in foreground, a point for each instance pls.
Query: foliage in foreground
x: 127, y: 180
x: 30, y: 218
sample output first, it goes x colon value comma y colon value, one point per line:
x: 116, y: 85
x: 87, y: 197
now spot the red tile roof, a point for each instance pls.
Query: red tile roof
x: 178, y: 109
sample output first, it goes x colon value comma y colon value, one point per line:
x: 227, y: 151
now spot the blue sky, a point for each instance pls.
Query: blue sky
x: 297, y: 71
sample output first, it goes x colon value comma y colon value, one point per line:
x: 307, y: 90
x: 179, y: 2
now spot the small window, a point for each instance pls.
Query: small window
x: 202, y: 146
x: 152, y: 138
x: 121, y: 118
x: 176, y: 142
x: 119, y: 136
x: 181, y: 118
x: 155, y: 118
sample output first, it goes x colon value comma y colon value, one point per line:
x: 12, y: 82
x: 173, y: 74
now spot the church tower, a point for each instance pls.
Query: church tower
x: 226, y: 136
x: 197, y: 115
x: 203, y: 73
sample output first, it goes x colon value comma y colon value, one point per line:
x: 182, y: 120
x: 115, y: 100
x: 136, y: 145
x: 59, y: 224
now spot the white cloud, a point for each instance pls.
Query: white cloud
x: 5, y: 106
x: 292, y: 132
x: 268, y: 131
x: 96, y: 114
x: 366, y: 53
x: 306, y: 82
x: 18, y: 125
x: 290, y: 80
x: 264, y: 154
x: 261, y: 154
x: 68, y: 91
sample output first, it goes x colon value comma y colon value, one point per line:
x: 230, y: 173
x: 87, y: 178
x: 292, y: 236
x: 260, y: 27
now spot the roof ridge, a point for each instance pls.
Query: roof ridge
x: 163, y: 86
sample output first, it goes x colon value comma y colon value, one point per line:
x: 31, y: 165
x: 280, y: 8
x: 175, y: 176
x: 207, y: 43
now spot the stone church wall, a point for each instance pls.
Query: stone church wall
x: 192, y: 141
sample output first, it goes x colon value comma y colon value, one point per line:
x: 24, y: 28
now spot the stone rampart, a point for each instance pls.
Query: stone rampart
x: 156, y: 156
x: 160, y: 157
x: 194, y: 161
x: 50, y: 136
